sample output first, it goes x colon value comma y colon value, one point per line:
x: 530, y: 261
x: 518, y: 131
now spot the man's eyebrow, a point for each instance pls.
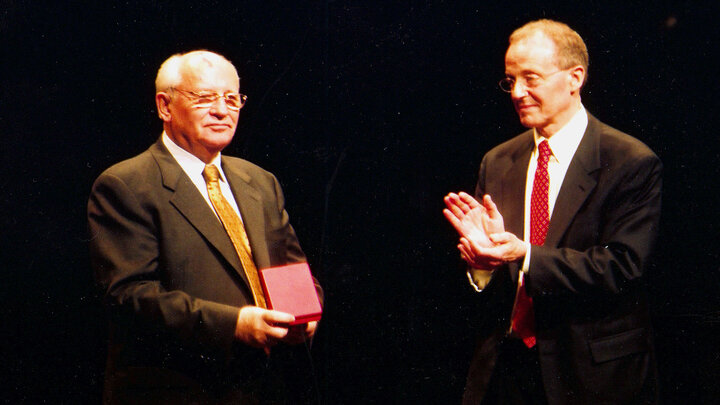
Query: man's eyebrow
x: 529, y: 72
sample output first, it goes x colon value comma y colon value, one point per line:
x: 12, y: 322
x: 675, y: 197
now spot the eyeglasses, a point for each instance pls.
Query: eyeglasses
x: 530, y: 80
x: 206, y: 99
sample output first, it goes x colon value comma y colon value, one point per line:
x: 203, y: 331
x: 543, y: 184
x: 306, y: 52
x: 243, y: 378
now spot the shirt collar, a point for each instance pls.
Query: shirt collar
x: 189, y: 162
x: 564, y: 143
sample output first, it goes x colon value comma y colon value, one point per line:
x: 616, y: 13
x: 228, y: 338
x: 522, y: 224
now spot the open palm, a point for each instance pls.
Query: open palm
x: 472, y: 220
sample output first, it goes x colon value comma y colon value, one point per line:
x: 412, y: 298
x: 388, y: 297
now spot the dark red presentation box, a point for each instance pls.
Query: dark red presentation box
x: 291, y: 289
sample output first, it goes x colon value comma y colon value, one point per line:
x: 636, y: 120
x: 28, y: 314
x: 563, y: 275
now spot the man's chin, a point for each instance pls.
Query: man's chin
x: 218, y: 141
x: 528, y: 122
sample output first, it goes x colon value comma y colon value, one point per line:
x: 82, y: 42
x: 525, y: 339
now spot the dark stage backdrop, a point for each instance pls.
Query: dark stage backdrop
x: 368, y: 113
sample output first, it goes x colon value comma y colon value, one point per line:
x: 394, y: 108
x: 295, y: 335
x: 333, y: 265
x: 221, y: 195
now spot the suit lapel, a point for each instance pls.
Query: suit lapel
x: 250, y: 203
x: 191, y: 204
x: 577, y: 185
x: 513, y: 194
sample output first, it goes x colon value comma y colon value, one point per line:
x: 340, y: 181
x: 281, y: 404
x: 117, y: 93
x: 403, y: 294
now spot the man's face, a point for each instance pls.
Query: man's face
x: 543, y: 94
x: 202, y: 131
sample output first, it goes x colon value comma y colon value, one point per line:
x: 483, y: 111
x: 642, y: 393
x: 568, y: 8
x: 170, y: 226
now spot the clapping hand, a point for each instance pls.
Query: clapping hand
x: 477, y: 224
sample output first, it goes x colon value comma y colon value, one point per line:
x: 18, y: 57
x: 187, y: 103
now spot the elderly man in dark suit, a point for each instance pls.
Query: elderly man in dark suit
x: 188, y: 324
x: 557, y: 240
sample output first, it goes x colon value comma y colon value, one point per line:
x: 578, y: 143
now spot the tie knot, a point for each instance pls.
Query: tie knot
x: 211, y: 174
x: 544, y: 150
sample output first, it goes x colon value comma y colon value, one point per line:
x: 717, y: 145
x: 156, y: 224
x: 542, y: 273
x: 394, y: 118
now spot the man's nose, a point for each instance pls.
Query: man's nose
x: 219, y: 107
x: 519, y: 90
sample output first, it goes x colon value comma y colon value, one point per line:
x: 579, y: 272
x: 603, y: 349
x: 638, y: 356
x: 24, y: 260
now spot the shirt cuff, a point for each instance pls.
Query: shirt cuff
x: 526, y: 261
x: 478, y: 278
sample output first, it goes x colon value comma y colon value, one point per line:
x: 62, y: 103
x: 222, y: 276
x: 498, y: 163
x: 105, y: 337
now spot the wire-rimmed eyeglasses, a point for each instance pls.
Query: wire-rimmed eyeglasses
x: 530, y: 81
x: 206, y: 99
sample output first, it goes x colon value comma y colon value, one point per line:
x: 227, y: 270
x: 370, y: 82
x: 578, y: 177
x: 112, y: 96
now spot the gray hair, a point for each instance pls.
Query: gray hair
x: 171, y: 71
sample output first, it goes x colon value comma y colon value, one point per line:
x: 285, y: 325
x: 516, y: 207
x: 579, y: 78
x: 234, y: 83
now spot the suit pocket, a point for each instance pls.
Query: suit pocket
x: 623, y: 344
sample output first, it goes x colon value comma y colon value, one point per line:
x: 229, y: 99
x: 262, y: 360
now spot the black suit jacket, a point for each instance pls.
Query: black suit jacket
x: 593, y: 330
x: 173, y: 281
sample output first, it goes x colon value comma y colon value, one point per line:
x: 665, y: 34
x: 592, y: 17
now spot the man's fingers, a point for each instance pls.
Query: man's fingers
x: 456, y: 210
x: 487, y: 223
x: 450, y: 215
x: 500, y: 238
x: 464, y: 253
x: 455, y: 200
x: 456, y: 223
x: 473, y: 260
x: 468, y: 199
x: 310, y: 328
x: 276, y: 332
x: 277, y: 317
x: 448, y: 201
x: 474, y: 251
x: 491, y: 207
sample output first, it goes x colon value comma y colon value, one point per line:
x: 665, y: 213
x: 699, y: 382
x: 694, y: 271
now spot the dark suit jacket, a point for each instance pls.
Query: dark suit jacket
x: 173, y: 281
x: 593, y: 330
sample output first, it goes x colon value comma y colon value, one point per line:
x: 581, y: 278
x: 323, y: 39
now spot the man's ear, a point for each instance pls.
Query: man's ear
x: 577, y: 77
x: 162, y: 101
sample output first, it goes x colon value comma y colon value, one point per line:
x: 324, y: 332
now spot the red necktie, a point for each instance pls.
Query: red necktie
x: 523, y: 321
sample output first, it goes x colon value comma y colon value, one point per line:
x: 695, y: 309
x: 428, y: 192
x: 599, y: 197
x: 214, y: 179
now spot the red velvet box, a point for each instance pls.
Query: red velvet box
x: 291, y: 289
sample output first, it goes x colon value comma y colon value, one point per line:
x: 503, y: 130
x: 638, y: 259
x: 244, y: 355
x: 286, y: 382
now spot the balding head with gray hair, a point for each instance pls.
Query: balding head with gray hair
x: 176, y: 68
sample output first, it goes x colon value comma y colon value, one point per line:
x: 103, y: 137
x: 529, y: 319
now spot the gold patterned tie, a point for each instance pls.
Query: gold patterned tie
x: 235, y: 229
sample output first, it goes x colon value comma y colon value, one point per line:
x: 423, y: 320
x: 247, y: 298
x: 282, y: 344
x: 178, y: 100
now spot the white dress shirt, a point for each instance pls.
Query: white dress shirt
x: 193, y: 167
x: 563, y: 145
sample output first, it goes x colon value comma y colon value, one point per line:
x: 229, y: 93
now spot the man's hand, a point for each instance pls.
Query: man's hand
x: 475, y: 223
x: 507, y: 249
x: 261, y: 328
x: 470, y: 218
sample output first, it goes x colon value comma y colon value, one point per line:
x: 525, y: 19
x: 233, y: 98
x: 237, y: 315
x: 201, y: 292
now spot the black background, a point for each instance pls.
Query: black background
x: 368, y: 113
